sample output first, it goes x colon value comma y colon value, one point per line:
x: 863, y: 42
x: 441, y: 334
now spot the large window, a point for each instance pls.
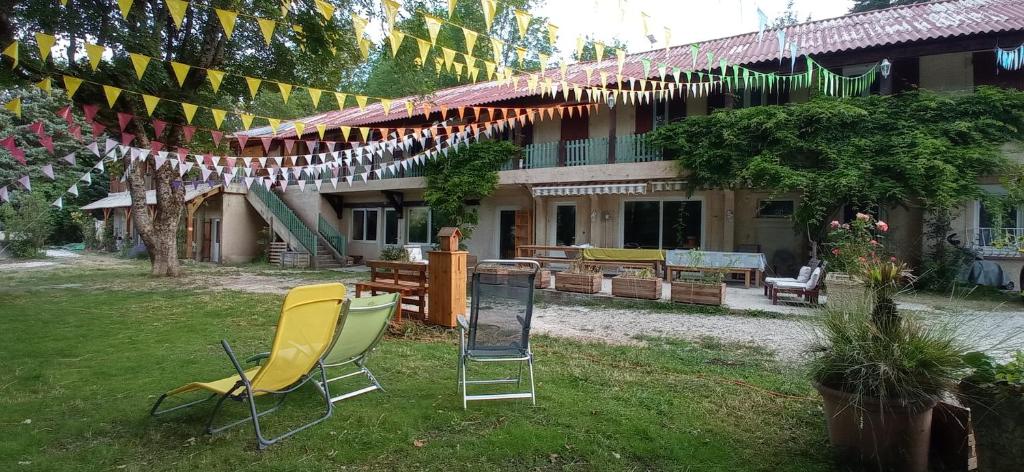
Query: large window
x: 665, y: 224
x: 364, y: 225
x: 775, y: 208
x: 421, y: 225
x: 390, y: 226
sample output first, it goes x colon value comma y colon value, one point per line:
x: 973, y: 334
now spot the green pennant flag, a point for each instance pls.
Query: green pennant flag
x: 647, y: 66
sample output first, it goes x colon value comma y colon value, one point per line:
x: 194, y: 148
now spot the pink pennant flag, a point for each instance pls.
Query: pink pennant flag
x: 310, y: 145
x: 266, y: 143
x: 187, y: 132
x: 37, y: 128
x: 241, y: 141
x: 123, y: 119
x: 8, y: 143
x: 330, y: 145
x: 70, y: 158
x: 207, y: 160
x: 47, y: 143
x: 158, y: 127
x: 48, y: 171
x: 182, y: 152
x: 289, y: 144
x: 75, y: 131
x: 65, y: 113
x: 25, y: 182
x: 217, y: 136
x: 97, y: 129
x: 127, y: 138
x: 156, y: 146
x: 19, y: 155
x: 90, y: 112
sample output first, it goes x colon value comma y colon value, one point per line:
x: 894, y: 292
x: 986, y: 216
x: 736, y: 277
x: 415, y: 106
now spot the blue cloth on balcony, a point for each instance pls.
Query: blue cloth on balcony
x: 716, y: 260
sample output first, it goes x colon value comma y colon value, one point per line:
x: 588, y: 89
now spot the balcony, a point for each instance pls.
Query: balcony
x: 999, y: 242
x: 582, y: 152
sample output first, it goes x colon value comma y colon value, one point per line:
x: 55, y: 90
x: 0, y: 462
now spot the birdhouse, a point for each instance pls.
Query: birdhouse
x: 448, y: 238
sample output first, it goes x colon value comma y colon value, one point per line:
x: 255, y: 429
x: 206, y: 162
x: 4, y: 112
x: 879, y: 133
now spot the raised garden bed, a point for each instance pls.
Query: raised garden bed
x: 518, y: 278
x: 580, y: 283
x: 697, y: 292
x: 636, y: 287
x: 493, y: 275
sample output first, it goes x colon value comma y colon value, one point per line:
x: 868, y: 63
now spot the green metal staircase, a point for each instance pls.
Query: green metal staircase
x: 283, y: 221
x: 332, y: 237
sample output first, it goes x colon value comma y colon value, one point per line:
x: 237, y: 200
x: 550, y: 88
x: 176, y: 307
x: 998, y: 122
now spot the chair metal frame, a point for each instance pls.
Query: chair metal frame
x: 467, y: 330
x: 360, y: 361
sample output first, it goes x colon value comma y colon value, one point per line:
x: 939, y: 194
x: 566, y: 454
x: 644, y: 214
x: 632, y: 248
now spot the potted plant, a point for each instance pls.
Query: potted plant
x: 706, y: 289
x: 579, y: 277
x: 880, y: 374
x: 994, y: 392
x: 849, y: 244
x: 637, y: 283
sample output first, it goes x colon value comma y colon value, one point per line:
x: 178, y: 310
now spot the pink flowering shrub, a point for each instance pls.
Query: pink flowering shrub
x: 849, y: 246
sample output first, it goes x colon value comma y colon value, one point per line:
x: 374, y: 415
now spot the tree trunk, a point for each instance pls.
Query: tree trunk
x: 159, y: 229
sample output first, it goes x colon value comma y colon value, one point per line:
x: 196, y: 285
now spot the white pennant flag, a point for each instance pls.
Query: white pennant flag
x: 302, y: 185
x: 94, y: 147
x: 73, y: 189
x: 334, y: 182
x: 70, y: 158
x: 249, y: 181
x: 59, y: 202
x: 87, y: 177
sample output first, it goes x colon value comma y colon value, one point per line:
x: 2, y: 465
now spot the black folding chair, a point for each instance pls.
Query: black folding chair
x: 498, y: 329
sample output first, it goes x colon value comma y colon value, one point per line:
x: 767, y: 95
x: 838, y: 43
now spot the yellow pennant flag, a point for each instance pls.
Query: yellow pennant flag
x: 471, y: 37
x: 151, y: 103
x: 599, y: 50
x: 361, y: 101
x: 359, y: 25
x: 543, y: 58
x: 325, y: 9
x: 11, y: 51
x: 45, y: 85
x: 274, y: 124
x: 71, y: 84
x: 177, y: 9
x: 112, y: 93
x: 314, y: 94
x: 190, y: 111
x: 227, y: 20
x: 552, y: 34
x: 14, y: 106
x: 409, y: 107
x: 391, y: 10
x: 497, y: 49
x: 364, y: 48
x: 125, y: 6
x: 180, y: 71
x: 449, y: 57
x: 668, y: 37
x: 520, y: 55
x: 433, y: 27
x: 395, y: 39
x: 286, y: 90
x: 45, y: 42
x: 267, y: 28
x: 386, y: 104
x: 489, y: 67
x: 365, y: 132
x: 489, y: 7
x: 246, y: 120
x: 300, y: 128
x: 218, y: 116
x: 254, y: 85
x: 139, y: 62
x: 523, y: 22
x: 215, y: 77
x: 424, y: 49
x: 621, y: 58
x: 451, y: 7
x: 321, y: 130
x: 345, y: 131
x: 95, y: 53
x: 644, y: 18
x: 340, y: 98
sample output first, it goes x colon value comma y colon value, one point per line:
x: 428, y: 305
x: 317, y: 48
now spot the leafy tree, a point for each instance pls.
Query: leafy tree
x: 921, y: 148
x: 469, y: 173
x: 590, y: 54
x: 789, y: 17
x: 312, y: 52
x: 26, y: 225
x: 860, y: 6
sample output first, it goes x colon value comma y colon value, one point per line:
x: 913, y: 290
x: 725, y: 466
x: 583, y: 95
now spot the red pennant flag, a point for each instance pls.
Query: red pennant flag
x: 216, y: 135
x: 207, y: 159
x: 75, y: 131
x: 158, y: 127
x: 127, y: 138
x: 90, y: 112
x: 289, y: 144
x: 66, y: 114
x: 8, y: 143
x: 156, y: 146
x: 37, y: 128
x: 187, y: 132
x: 266, y: 143
x: 47, y: 143
x: 123, y: 119
x: 97, y: 129
x: 19, y: 155
x: 182, y: 152
x: 242, y: 139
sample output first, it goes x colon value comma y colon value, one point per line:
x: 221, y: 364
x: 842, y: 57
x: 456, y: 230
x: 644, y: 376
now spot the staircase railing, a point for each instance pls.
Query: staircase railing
x: 305, y: 236
x: 333, y: 237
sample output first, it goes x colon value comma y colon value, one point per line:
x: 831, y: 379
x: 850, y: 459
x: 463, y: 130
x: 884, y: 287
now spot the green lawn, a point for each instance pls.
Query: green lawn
x: 85, y: 353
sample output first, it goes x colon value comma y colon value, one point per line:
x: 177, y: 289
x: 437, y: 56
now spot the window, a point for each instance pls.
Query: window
x: 390, y: 226
x: 565, y: 225
x: 994, y: 218
x: 420, y: 225
x: 671, y: 224
x: 364, y: 225
x: 775, y: 208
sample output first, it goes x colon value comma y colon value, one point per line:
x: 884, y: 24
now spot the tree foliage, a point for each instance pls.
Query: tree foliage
x: 860, y: 6
x: 917, y: 148
x: 469, y: 173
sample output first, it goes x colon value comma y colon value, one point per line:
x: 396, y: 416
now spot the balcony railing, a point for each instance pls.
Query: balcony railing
x: 580, y: 152
x: 1001, y: 242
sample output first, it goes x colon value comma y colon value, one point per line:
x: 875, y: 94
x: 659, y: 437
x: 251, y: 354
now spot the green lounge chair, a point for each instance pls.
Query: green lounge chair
x: 360, y: 332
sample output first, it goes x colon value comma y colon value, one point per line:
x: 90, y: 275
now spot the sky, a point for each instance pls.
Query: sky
x: 689, y: 20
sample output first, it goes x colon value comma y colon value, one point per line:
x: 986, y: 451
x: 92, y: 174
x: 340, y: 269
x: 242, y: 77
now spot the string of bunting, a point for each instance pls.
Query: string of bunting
x: 1010, y: 59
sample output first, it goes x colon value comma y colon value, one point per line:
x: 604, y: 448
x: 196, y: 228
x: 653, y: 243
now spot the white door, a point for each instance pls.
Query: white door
x: 214, y: 240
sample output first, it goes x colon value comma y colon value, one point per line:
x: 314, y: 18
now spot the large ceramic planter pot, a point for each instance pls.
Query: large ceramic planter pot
x: 998, y: 418
x: 580, y: 283
x: 699, y: 293
x: 632, y: 287
x: 844, y: 289
x: 878, y: 433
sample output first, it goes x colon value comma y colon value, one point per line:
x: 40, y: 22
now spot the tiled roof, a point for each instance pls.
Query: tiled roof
x: 897, y: 25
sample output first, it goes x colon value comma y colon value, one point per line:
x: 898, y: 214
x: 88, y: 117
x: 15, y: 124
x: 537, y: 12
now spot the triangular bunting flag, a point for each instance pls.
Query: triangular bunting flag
x: 177, y: 9
x: 45, y: 43
x: 215, y: 77
x: 71, y: 84
x: 95, y: 53
x: 254, y: 85
x: 267, y: 28
x: 190, y: 111
x: 112, y: 93
x: 227, y: 20
x: 180, y: 71
x: 139, y: 62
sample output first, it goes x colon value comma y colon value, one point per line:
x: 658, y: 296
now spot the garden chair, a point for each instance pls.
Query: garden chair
x: 809, y: 290
x: 802, y: 276
x: 305, y: 331
x: 360, y: 332
x: 498, y: 328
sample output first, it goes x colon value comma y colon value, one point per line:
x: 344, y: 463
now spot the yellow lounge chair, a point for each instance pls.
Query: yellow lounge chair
x: 306, y: 329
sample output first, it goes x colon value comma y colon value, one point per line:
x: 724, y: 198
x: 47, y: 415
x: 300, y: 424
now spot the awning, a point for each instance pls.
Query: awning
x: 668, y: 186
x: 594, y: 189
x: 124, y: 199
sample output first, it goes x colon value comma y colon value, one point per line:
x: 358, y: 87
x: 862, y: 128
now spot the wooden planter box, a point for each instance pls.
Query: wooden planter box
x: 517, y: 278
x: 698, y: 293
x: 580, y: 283
x: 493, y: 275
x: 632, y: 287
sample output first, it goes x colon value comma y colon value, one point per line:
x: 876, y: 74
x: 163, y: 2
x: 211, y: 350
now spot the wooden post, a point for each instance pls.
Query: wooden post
x: 447, y: 292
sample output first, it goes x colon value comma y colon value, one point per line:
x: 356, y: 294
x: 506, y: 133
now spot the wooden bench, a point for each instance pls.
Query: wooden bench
x: 747, y: 274
x: 408, y: 279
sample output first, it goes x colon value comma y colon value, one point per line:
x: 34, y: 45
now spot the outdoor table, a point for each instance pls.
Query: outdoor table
x: 746, y: 264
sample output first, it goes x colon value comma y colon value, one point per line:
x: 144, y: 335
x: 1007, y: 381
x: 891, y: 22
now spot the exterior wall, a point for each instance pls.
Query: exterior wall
x: 548, y: 130
x: 484, y: 241
x: 783, y: 246
x: 625, y: 119
x: 306, y: 204
x: 947, y: 72
x: 241, y: 226
x: 696, y: 106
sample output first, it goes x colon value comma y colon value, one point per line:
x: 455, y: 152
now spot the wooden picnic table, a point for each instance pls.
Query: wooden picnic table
x: 408, y: 279
x: 747, y: 273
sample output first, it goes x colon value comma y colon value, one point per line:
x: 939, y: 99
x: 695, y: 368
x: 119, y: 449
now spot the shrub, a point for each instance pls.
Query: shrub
x: 394, y: 253
x: 27, y: 224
